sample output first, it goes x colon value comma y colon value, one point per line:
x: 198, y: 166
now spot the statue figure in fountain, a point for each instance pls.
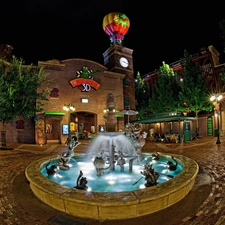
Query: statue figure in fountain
x: 171, y: 165
x: 51, y: 171
x: 65, y: 157
x: 99, y: 164
x: 136, y: 135
x: 150, y: 175
x: 81, y: 182
x: 155, y: 156
x: 121, y: 161
x: 129, y: 132
x: 72, y: 143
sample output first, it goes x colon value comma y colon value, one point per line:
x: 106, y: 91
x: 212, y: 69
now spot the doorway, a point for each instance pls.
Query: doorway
x: 187, y: 131
x: 52, y: 129
x: 209, y: 126
x: 85, y: 122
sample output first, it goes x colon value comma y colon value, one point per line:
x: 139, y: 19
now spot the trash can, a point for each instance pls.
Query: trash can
x: 216, y: 132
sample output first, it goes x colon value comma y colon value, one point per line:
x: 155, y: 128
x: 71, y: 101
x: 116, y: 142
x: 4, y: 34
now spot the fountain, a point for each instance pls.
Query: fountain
x: 113, y: 154
x: 116, y: 161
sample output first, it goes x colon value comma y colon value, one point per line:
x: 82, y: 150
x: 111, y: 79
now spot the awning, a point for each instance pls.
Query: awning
x: 165, y: 119
x: 117, y: 115
x: 55, y: 113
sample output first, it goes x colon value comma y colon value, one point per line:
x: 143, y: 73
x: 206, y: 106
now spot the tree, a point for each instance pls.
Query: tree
x: 194, y: 94
x: 142, y: 93
x: 166, y: 89
x: 20, y: 93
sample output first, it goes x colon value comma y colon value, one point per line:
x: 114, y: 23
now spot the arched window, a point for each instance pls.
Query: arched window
x: 54, y: 93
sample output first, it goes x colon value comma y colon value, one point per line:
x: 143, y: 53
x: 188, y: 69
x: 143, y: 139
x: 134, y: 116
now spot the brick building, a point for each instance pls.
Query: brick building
x: 97, y: 92
x: 208, y: 59
x: 93, y: 94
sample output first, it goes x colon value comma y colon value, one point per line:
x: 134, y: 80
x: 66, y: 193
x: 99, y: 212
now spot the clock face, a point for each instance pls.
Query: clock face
x: 124, y: 62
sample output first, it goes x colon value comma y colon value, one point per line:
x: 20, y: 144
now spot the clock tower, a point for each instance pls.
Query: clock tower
x: 118, y: 58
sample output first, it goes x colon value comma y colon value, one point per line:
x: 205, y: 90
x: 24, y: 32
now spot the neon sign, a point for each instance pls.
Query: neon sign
x: 84, y: 80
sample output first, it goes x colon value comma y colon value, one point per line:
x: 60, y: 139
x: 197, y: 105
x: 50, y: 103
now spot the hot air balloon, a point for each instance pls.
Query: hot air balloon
x: 116, y: 25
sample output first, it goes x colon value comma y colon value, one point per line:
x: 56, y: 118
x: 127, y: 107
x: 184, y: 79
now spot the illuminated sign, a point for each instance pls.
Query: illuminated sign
x: 65, y: 129
x: 84, y: 100
x: 84, y: 84
x: 84, y: 80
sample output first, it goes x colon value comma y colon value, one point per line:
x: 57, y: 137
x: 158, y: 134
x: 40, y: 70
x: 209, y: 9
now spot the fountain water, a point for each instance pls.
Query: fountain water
x: 111, y: 153
x: 114, y: 158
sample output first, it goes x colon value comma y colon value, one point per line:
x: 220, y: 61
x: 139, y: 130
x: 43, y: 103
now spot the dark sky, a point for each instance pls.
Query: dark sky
x: 43, y: 30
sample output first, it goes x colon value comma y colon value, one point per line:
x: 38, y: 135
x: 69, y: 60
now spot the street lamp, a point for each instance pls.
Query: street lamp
x: 216, y: 99
x: 68, y: 108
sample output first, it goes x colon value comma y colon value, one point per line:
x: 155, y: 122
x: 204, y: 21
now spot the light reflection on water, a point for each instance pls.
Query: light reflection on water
x: 111, y: 181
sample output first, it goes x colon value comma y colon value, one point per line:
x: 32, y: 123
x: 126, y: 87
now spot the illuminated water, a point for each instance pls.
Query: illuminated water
x: 112, y: 181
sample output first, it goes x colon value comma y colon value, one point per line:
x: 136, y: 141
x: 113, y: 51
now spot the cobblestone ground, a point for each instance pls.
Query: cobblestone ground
x: 204, y: 205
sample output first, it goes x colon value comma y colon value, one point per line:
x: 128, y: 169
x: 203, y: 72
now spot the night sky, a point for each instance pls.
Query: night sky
x: 44, y: 30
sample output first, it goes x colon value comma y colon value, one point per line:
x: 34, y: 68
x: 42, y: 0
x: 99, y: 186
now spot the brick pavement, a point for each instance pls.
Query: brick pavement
x: 204, y: 205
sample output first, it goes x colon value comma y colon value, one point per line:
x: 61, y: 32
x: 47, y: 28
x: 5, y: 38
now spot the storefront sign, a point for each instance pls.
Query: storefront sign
x: 84, y: 80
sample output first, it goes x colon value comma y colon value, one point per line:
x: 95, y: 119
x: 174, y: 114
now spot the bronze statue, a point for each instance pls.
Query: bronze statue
x: 150, y: 175
x: 155, y: 156
x: 171, y: 165
x: 52, y: 169
x: 81, y: 182
x: 65, y: 157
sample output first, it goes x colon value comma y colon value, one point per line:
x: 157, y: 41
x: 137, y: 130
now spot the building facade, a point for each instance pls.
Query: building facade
x: 97, y: 92
x: 208, y: 59
x: 85, y: 97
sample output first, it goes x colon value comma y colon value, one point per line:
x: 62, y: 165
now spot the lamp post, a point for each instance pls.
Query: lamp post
x: 68, y: 108
x: 216, y: 99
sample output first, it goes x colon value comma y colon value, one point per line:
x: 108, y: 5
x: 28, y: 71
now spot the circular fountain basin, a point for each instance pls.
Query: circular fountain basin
x: 112, y: 179
x: 112, y: 205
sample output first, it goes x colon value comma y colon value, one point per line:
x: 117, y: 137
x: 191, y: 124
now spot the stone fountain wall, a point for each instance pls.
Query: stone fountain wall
x: 109, y: 205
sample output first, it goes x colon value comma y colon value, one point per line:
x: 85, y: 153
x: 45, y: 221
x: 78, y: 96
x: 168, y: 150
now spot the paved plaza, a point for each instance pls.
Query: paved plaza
x: 204, y: 205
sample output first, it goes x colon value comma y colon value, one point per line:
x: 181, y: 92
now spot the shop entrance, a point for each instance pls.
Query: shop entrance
x: 52, y: 129
x: 84, y: 124
x: 187, y: 131
x: 209, y: 126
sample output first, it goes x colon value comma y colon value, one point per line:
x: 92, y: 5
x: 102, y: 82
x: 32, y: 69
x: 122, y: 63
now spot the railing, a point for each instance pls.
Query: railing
x: 171, y: 64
